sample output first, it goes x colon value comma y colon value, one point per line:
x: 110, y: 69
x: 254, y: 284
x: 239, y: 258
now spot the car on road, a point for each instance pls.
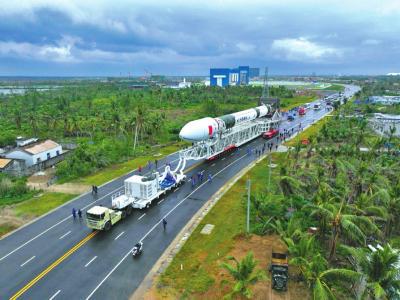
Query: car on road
x: 270, y: 134
x: 290, y: 118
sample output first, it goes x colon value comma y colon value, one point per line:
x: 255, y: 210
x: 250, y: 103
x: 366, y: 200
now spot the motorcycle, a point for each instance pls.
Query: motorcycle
x: 137, y: 249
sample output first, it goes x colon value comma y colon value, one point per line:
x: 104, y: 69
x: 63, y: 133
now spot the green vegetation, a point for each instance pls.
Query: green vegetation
x: 335, y: 87
x: 111, y: 123
x: 244, y: 274
x: 42, y: 204
x: 13, y: 190
x: 352, y: 198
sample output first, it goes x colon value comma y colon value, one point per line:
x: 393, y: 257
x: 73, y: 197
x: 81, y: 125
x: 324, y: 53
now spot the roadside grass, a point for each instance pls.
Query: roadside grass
x: 6, y: 228
x: 38, y: 206
x: 120, y: 169
x: 334, y: 87
x: 201, y: 255
x: 289, y: 103
x: 310, y: 131
x: 14, y: 200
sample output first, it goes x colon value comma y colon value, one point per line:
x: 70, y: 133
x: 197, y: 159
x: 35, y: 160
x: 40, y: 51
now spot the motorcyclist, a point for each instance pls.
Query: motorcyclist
x: 79, y: 213
x: 74, y: 212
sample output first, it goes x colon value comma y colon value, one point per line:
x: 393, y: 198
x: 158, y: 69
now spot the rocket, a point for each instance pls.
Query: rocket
x: 207, y: 128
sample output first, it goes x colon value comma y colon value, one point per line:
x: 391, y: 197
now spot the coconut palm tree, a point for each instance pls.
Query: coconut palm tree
x: 322, y: 280
x: 380, y: 271
x: 244, y: 274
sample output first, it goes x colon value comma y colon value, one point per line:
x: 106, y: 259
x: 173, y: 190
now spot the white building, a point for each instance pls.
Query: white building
x: 36, y: 153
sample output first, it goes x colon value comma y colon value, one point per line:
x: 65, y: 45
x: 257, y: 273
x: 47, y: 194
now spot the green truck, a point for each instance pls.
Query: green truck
x: 102, y: 218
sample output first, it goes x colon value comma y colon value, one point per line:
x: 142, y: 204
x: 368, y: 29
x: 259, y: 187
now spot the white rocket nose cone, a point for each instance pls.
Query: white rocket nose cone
x: 192, y: 132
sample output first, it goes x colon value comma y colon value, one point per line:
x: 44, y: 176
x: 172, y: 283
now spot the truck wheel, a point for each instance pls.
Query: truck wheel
x: 129, y: 210
x: 147, y: 205
x: 107, y: 226
x: 123, y: 215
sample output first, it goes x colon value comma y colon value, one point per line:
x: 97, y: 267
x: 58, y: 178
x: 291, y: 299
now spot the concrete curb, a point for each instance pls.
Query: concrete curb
x: 166, y: 258
x: 168, y: 255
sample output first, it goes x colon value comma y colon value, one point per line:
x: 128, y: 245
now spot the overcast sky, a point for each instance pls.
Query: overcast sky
x: 107, y: 38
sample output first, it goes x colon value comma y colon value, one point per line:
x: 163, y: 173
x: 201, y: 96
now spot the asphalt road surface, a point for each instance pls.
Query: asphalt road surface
x: 57, y: 257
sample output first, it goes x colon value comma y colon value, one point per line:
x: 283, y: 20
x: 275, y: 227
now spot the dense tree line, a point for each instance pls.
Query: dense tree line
x: 352, y: 197
x: 111, y: 122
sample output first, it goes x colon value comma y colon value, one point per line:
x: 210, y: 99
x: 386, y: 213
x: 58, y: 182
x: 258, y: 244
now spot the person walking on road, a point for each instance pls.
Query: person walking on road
x: 156, y: 163
x: 74, y: 212
x: 164, y: 223
x: 140, y: 169
x: 193, y: 181
x: 209, y: 178
x: 79, y: 213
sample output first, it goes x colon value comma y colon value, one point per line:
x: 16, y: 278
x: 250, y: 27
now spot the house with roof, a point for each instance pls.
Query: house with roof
x: 36, y: 152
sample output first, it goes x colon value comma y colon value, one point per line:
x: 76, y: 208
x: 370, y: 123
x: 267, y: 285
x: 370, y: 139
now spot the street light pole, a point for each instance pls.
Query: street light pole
x: 248, y: 204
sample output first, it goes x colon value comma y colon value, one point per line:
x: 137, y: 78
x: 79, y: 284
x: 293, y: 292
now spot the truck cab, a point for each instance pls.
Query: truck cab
x: 102, y: 218
x: 279, y: 269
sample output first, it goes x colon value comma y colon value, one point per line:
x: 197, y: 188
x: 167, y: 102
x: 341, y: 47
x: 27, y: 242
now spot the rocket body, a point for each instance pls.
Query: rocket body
x: 207, y: 128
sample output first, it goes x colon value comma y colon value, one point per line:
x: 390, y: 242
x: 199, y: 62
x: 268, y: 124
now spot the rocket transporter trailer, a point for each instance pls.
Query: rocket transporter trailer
x: 139, y: 192
x: 210, y: 137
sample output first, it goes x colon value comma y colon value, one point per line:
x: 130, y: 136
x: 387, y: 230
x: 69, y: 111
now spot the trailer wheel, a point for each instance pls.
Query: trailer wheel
x: 107, y: 226
x: 129, y: 210
x: 148, y: 205
x: 123, y: 215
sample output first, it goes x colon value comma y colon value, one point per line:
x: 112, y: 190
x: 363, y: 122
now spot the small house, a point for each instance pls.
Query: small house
x: 36, y: 152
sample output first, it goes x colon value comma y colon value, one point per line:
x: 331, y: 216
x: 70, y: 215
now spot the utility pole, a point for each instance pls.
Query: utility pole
x: 248, y: 204
x: 269, y: 174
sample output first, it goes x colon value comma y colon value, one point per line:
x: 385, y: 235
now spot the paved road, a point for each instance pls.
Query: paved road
x: 57, y: 257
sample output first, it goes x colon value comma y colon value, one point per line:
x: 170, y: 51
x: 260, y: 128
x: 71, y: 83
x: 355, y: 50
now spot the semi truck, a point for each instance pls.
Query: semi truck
x: 139, y: 192
x: 279, y: 269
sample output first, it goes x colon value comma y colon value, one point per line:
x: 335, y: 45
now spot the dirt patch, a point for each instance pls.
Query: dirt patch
x: 69, y: 188
x: 9, y: 221
x: 44, y: 181
x: 261, y: 246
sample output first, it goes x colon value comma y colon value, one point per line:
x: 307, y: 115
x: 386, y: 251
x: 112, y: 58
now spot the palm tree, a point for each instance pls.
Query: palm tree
x: 320, y: 279
x: 380, y: 270
x: 244, y: 274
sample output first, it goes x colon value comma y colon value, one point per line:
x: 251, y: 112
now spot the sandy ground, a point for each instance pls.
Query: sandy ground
x: 41, y: 181
x: 261, y: 247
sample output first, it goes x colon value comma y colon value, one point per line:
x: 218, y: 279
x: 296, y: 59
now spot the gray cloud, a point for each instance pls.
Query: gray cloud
x: 105, y: 37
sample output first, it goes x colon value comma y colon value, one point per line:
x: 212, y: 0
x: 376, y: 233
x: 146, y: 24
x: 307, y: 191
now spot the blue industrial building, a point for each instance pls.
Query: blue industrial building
x: 224, y: 77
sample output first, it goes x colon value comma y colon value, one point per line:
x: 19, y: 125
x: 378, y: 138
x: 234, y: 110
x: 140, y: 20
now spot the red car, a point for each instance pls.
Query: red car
x: 302, y: 111
x: 270, y: 134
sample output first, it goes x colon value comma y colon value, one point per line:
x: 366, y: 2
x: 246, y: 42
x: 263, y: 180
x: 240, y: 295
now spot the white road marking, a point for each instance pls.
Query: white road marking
x: 176, y: 189
x: 64, y: 235
x: 56, y: 293
x: 155, y: 225
x: 66, y: 218
x: 213, y: 165
x: 159, y: 202
x: 117, y: 237
x: 28, y: 261
x: 223, y: 158
x: 90, y: 261
x: 232, y: 154
x: 141, y: 216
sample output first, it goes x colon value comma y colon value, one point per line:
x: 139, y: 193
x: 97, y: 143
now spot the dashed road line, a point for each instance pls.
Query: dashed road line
x: 28, y: 261
x: 117, y: 237
x: 90, y: 261
x: 141, y: 216
x: 55, y: 294
x: 213, y: 165
x: 155, y: 225
x: 64, y: 235
x: 52, y: 266
x: 159, y: 202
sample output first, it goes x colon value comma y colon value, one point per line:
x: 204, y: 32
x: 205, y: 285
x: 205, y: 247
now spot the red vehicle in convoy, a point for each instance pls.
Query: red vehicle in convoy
x: 270, y: 134
x: 302, y: 111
